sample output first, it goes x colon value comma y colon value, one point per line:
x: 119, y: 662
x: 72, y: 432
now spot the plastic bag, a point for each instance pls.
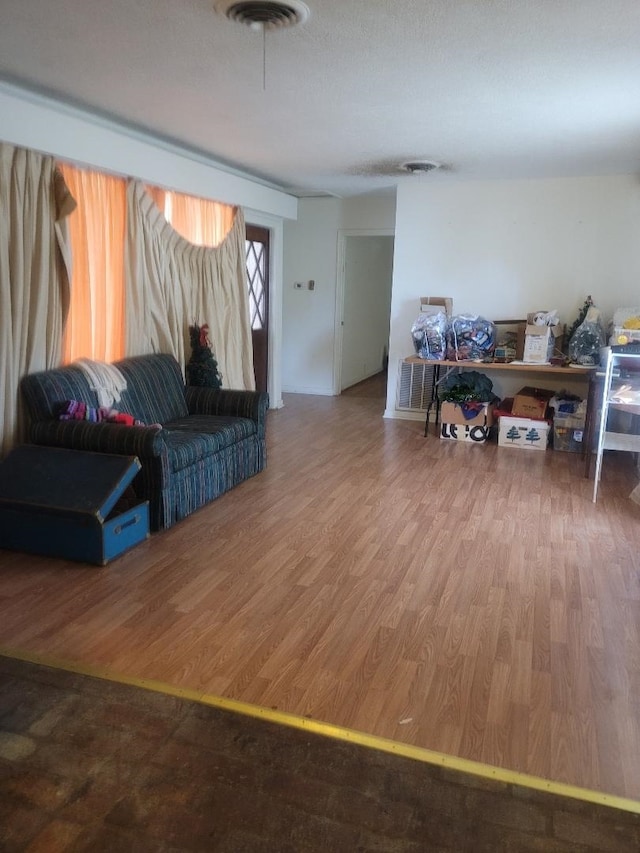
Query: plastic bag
x: 567, y: 403
x: 627, y: 318
x: 429, y: 333
x: 585, y: 343
x: 472, y: 338
x: 546, y: 318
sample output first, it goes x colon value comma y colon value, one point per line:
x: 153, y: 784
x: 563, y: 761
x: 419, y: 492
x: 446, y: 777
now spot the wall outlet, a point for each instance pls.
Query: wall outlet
x: 311, y: 285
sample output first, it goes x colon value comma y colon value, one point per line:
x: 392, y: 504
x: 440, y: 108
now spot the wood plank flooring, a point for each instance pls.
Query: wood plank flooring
x: 466, y: 599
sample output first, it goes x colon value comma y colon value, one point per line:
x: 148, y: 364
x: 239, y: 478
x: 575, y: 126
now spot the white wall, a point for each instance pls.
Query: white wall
x: 308, y: 315
x: 310, y: 253
x: 369, y: 212
x: 504, y: 248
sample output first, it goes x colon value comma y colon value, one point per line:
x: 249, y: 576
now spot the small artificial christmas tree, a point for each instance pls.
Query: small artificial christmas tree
x: 202, y: 368
x: 588, y: 302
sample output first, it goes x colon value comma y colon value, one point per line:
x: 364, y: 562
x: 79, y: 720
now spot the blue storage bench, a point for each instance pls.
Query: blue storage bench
x: 70, y: 503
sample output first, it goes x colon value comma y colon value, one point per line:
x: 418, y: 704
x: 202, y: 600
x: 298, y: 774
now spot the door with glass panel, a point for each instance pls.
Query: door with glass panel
x: 257, y: 250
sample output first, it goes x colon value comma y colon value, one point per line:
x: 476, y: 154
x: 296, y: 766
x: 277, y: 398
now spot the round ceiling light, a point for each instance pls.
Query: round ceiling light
x: 264, y: 14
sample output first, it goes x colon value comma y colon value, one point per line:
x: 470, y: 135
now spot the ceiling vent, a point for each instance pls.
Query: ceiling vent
x: 419, y: 167
x: 264, y: 14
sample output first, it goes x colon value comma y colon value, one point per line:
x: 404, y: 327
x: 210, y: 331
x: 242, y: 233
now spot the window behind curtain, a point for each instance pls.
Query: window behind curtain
x: 96, y: 324
x: 199, y: 220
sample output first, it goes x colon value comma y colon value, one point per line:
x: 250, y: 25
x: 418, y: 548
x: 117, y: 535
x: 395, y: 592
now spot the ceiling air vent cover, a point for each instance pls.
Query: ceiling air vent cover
x: 419, y: 167
x: 264, y: 14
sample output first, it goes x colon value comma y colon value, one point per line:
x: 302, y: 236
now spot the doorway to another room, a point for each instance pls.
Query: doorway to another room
x: 363, y: 312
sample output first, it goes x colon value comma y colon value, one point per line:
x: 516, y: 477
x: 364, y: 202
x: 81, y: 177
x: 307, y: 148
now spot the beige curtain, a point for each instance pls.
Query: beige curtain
x: 172, y: 283
x: 34, y: 275
x: 96, y: 325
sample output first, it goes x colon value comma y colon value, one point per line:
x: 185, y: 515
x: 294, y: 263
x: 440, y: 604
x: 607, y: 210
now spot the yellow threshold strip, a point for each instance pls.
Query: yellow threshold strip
x: 416, y: 753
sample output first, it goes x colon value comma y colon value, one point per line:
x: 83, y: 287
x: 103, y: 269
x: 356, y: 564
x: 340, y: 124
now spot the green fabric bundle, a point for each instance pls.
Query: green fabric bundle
x: 464, y: 387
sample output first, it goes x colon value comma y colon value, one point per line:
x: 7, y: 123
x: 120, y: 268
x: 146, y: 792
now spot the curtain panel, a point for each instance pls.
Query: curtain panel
x: 172, y: 284
x: 97, y: 232
x: 34, y: 275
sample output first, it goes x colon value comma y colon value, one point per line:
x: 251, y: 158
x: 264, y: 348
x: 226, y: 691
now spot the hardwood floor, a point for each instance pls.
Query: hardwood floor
x: 466, y: 599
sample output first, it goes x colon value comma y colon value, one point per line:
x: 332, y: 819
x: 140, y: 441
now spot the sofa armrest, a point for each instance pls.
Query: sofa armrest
x: 143, y: 442
x: 224, y: 401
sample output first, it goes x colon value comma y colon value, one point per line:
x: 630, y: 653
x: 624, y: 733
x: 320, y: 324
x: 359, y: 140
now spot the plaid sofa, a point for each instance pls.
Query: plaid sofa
x: 210, y: 440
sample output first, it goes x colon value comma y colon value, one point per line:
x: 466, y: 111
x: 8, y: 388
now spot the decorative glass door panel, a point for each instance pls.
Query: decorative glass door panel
x: 257, y: 257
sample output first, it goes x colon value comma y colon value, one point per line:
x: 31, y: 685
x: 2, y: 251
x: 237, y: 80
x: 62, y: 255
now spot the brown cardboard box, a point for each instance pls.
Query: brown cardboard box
x: 454, y: 425
x: 431, y: 304
x: 531, y: 403
x: 451, y: 413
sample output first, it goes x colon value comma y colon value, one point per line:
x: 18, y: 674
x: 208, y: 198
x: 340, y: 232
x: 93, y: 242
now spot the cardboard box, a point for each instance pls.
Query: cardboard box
x: 432, y: 304
x: 455, y: 426
x: 451, y: 413
x: 540, y: 342
x: 531, y: 402
x: 523, y: 433
x: 464, y: 432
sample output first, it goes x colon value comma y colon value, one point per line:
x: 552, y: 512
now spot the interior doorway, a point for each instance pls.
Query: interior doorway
x: 257, y: 257
x: 363, y: 306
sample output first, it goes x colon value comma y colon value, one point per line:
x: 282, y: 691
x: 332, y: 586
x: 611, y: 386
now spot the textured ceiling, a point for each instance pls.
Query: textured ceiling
x: 488, y: 88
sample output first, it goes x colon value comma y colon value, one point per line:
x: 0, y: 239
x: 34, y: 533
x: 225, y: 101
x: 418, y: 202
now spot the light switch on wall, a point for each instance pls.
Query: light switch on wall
x: 311, y: 285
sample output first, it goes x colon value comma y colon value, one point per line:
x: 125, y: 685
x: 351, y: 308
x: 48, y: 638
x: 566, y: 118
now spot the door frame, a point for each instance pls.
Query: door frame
x: 343, y: 234
x: 275, y: 226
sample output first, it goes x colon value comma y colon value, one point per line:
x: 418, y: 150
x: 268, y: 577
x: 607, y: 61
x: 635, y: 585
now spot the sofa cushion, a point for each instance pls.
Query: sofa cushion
x: 155, y: 388
x: 195, y: 437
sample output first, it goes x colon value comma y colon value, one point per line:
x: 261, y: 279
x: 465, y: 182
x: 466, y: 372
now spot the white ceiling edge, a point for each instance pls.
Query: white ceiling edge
x: 37, y: 121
